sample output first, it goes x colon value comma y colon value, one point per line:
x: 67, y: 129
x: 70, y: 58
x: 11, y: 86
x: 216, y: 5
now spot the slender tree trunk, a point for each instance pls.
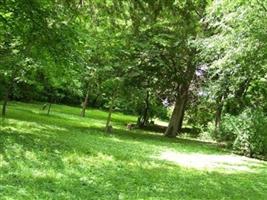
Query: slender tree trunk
x: 49, y: 108
x: 145, y: 118
x: 81, y: 3
x: 146, y: 114
x: 240, y: 94
x: 4, y: 107
x: 218, y: 113
x: 138, y: 121
x: 218, y: 117
x: 219, y: 109
x: 6, y: 99
x: 84, y: 105
x: 95, y: 100
x: 109, y: 115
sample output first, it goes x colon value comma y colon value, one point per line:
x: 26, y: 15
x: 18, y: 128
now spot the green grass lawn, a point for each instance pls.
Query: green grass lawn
x: 64, y: 156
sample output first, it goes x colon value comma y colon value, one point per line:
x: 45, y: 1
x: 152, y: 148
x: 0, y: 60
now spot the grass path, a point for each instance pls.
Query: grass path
x: 64, y: 156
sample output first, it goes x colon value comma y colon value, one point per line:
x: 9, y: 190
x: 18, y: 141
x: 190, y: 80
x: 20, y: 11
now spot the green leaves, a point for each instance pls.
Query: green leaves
x: 234, y: 49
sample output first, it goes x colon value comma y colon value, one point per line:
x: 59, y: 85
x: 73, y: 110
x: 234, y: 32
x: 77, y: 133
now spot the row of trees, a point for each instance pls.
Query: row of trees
x: 207, y: 59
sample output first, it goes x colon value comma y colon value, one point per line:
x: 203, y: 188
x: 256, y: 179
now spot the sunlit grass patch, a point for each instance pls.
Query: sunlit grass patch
x: 224, y: 163
x: 64, y: 156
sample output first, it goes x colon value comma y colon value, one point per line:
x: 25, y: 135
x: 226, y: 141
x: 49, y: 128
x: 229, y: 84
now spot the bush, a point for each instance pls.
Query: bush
x: 247, y: 132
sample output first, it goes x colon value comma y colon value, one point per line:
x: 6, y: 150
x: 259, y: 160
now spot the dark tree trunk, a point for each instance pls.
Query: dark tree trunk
x: 81, y: 3
x: 95, y: 100
x: 4, y: 107
x: 181, y: 115
x: 139, y: 121
x: 240, y: 94
x: 84, y: 104
x: 176, y: 121
x: 219, y: 109
x: 144, y: 119
x: 49, y: 108
x: 218, y: 116
x: 6, y: 98
x: 109, y: 115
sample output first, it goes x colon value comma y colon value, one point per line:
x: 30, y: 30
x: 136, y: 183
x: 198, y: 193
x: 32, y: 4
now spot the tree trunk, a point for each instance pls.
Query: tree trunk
x: 49, y: 108
x: 95, y: 100
x: 84, y: 105
x: 218, y: 113
x: 176, y: 121
x: 218, y: 116
x: 81, y: 3
x: 145, y: 118
x: 5, y: 104
x: 173, y: 124
x: 240, y: 95
x: 109, y: 115
x: 181, y: 115
x: 6, y: 98
x: 219, y: 108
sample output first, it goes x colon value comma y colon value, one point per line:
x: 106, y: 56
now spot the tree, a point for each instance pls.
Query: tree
x: 37, y: 32
x: 236, y: 55
x: 166, y: 29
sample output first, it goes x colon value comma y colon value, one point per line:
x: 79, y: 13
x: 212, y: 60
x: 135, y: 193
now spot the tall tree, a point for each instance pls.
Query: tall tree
x: 235, y: 51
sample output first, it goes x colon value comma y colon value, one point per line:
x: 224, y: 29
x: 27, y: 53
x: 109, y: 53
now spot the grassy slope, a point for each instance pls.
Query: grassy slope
x: 63, y: 156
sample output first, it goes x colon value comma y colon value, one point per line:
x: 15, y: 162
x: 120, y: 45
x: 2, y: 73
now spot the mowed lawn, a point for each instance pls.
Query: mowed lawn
x: 64, y: 156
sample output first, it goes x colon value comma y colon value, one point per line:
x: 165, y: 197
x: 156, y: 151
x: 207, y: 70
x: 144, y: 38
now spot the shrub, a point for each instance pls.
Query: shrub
x: 247, y: 132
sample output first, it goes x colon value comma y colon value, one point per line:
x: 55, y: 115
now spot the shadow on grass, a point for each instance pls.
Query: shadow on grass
x: 46, y: 159
x: 86, y: 126
x: 73, y: 113
x: 156, y: 139
x: 72, y: 126
x: 44, y: 169
x: 56, y: 127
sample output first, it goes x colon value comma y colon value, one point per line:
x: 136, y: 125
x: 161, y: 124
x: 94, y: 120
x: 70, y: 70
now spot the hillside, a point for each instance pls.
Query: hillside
x: 64, y: 156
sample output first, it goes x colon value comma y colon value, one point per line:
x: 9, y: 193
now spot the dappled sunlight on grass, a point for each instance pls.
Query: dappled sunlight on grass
x: 70, y: 116
x: 88, y: 160
x: 64, y: 156
x: 29, y: 127
x: 222, y: 163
